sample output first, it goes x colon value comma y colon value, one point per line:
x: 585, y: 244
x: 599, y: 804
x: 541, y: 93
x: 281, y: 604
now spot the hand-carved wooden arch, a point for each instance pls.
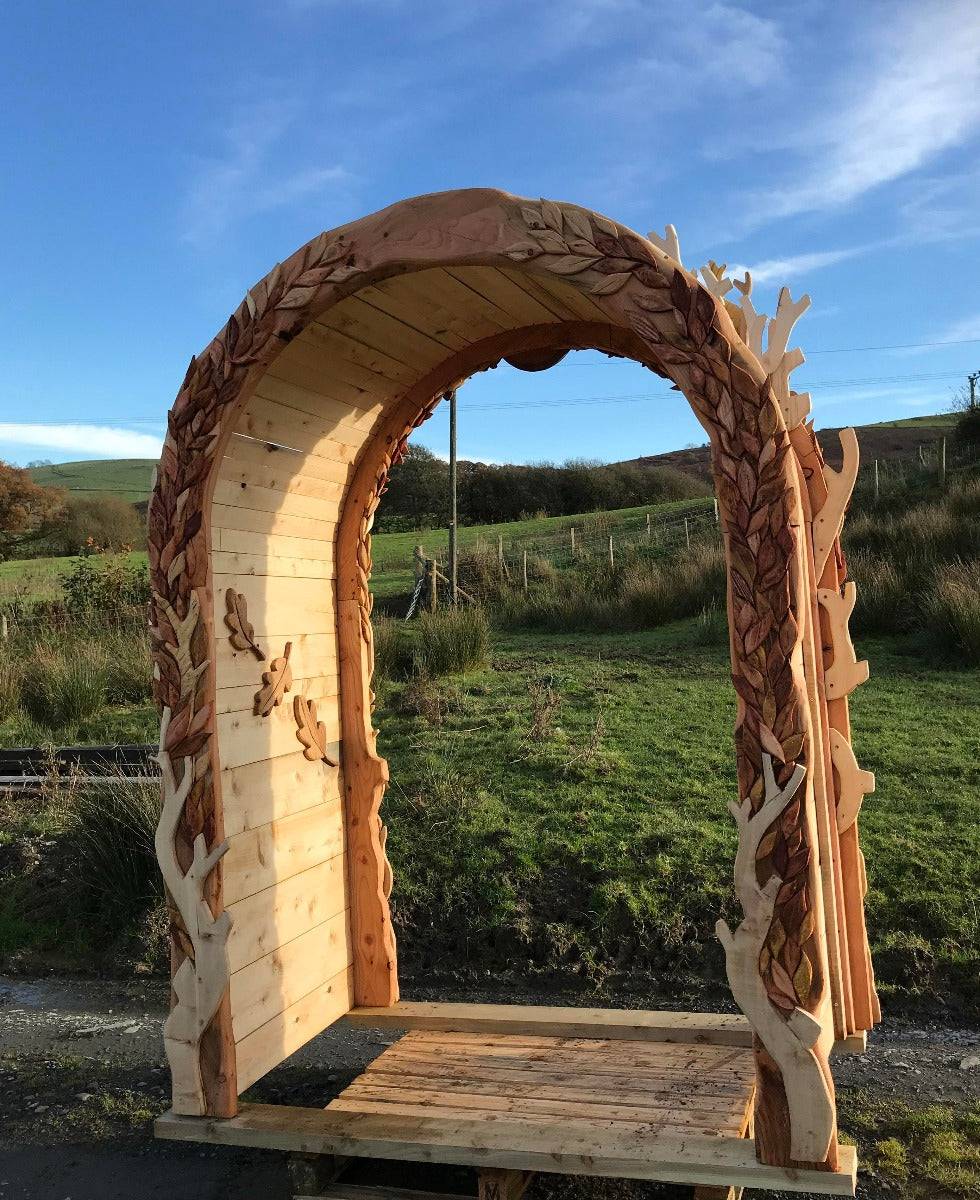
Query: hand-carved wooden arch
x: 456, y: 282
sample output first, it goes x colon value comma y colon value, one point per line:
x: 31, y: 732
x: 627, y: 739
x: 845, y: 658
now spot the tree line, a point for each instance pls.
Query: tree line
x: 36, y: 521
x: 487, y: 493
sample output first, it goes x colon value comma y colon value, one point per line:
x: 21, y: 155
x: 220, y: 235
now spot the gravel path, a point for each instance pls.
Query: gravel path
x: 82, y: 1075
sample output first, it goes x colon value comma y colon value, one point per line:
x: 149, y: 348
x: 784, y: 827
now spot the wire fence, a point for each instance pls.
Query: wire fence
x: 487, y: 562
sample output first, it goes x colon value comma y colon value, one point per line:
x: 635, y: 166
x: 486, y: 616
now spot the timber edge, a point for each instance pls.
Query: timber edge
x: 718, y: 1029
x: 571, y: 1148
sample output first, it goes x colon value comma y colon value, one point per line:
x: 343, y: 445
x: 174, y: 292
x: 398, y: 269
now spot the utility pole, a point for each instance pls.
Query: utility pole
x: 973, y: 387
x: 453, y: 554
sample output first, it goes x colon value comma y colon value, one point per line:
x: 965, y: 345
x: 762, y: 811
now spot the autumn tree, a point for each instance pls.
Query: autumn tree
x: 28, y: 511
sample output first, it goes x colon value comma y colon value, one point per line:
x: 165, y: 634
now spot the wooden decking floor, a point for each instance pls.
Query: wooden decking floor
x: 616, y: 1085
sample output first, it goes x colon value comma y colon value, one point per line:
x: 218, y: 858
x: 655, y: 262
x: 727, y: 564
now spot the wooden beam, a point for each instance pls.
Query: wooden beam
x: 571, y: 1148
x: 717, y: 1029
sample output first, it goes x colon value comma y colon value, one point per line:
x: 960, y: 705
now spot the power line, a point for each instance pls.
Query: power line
x: 848, y: 349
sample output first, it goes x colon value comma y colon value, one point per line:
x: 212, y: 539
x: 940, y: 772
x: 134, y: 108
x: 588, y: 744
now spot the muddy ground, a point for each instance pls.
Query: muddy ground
x: 82, y: 1075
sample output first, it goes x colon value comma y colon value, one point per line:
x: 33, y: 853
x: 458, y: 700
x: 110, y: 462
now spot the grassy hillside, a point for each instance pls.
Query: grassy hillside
x: 126, y: 477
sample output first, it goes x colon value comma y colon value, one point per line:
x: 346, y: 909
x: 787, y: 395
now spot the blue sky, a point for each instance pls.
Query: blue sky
x: 160, y: 159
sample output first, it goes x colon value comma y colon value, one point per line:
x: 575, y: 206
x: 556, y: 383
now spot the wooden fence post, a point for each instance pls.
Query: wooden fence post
x: 877, y: 484
x: 687, y: 533
x: 942, y: 465
x: 648, y: 529
x: 433, y: 585
x: 612, y: 561
x: 525, y: 570
x: 572, y: 531
x: 500, y: 554
x: 717, y: 519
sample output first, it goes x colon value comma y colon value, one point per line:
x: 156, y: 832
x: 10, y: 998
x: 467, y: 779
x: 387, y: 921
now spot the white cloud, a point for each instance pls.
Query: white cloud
x: 94, y: 441
x: 244, y: 180
x: 913, y: 95
x: 778, y: 270
x: 960, y: 331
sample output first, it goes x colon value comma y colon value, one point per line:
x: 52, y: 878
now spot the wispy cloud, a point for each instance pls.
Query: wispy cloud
x: 778, y: 270
x: 94, y: 441
x: 916, y: 94
x: 963, y: 330
x: 246, y: 179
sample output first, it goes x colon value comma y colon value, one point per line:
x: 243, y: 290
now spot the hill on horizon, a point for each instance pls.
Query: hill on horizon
x: 130, y: 477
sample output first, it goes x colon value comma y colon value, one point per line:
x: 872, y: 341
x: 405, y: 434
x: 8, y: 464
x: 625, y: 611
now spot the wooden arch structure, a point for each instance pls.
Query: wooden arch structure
x: 278, y: 448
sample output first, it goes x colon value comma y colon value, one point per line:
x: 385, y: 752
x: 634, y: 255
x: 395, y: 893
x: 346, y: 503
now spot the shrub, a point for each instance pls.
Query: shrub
x: 129, y: 668
x: 954, y: 609
x: 885, y: 603
x: 10, y: 683
x: 111, y: 831
x: 451, y: 640
x: 106, y: 586
x: 64, y: 684
x: 105, y: 522
x: 390, y: 655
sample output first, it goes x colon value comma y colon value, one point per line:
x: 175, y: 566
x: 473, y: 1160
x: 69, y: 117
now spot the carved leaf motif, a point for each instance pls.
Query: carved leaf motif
x: 276, y: 682
x: 610, y: 283
x: 570, y: 264
x: 311, y: 732
x: 242, y: 635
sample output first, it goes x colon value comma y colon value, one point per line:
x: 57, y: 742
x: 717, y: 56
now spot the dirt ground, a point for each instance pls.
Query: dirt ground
x: 82, y: 1075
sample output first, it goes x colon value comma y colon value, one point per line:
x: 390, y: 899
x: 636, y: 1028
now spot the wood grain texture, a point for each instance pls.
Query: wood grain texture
x: 566, y: 1148
x: 654, y: 310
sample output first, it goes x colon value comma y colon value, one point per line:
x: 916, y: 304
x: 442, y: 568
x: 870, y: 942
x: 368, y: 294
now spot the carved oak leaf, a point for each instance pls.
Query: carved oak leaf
x: 236, y: 618
x: 276, y: 682
x: 311, y: 732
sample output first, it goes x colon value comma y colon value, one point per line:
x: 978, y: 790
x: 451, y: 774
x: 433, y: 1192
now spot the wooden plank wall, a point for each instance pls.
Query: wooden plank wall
x: 274, y: 515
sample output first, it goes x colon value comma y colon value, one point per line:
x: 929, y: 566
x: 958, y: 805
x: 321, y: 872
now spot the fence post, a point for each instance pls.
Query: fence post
x: 877, y: 484
x: 525, y: 570
x: 648, y: 529
x: 433, y: 585
x: 687, y: 533
x: 3, y: 627
x: 715, y: 501
x: 500, y: 554
x: 612, y: 561
x: 942, y: 465
x: 572, y: 531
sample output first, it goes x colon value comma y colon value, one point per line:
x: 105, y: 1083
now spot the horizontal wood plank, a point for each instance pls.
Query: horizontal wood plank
x: 569, y: 1148
x: 261, y: 792
x: 283, y: 1035
x: 223, y: 563
x: 313, y: 654
x: 280, y: 545
x: 248, y: 520
x: 241, y: 494
x: 718, y: 1029
x: 258, y: 858
x: 271, y: 918
x: 279, y: 979
x: 245, y: 738
x: 242, y: 697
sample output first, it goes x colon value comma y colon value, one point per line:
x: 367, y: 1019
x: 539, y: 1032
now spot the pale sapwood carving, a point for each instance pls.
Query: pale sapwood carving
x: 845, y: 673
x: 855, y: 784
x: 275, y: 683
x: 242, y: 635
x: 200, y: 981
x: 311, y: 732
x: 789, y: 1041
x: 829, y: 521
x: 778, y: 362
x: 669, y: 244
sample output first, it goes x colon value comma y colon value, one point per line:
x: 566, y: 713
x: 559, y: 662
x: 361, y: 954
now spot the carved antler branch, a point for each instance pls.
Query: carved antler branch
x: 200, y: 981
x: 715, y: 280
x: 669, y: 243
x: 789, y: 1041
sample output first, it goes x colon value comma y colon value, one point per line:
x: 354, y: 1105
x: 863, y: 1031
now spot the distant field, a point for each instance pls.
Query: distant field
x: 126, y: 477
x: 939, y: 421
x: 39, y: 577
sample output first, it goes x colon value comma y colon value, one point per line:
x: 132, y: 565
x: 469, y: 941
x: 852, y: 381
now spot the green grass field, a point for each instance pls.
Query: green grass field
x: 125, y: 477
x: 392, y: 552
